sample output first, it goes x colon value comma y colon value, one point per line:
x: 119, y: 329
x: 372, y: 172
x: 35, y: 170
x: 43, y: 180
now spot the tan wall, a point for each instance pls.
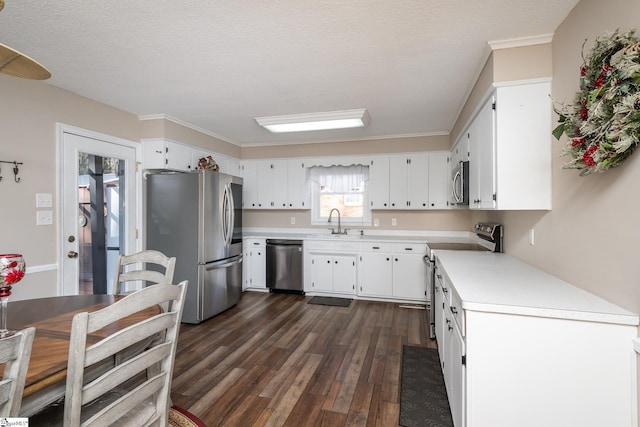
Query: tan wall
x: 390, y: 145
x: 505, y: 65
x: 28, y: 119
x: 406, y: 220
x: 590, y: 237
x: 162, y: 128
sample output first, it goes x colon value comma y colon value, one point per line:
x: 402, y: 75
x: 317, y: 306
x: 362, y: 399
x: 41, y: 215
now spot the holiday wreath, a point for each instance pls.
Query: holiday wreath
x: 603, y: 123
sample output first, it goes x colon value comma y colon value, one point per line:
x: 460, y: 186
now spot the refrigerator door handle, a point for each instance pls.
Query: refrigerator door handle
x: 227, y: 215
x: 232, y: 214
x: 225, y: 263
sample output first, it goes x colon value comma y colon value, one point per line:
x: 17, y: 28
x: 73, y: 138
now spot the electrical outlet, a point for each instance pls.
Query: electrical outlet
x: 531, y: 236
x: 293, y: 220
x: 44, y: 218
x: 394, y: 221
x: 376, y: 222
x: 44, y: 200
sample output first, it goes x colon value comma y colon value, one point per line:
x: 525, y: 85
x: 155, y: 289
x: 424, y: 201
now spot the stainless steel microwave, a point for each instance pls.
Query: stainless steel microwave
x: 459, y: 184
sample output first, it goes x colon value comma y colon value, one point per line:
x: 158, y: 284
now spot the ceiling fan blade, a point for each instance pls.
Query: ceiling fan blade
x: 17, y: 64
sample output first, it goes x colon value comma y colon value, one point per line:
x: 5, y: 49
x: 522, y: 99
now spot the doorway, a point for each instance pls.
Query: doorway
x: 99, y: 186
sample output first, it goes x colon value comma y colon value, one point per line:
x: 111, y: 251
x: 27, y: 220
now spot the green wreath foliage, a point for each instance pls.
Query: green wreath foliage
x: 603, y: 122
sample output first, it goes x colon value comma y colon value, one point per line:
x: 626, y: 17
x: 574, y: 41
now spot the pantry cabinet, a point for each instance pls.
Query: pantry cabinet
x: 510, y: 148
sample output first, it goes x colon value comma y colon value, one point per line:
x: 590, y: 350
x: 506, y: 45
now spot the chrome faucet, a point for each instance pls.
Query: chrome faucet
x: 333, y: 231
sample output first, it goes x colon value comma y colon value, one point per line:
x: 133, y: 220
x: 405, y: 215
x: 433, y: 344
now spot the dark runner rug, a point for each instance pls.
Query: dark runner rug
x: 338, y: 302
x: 423, y: 397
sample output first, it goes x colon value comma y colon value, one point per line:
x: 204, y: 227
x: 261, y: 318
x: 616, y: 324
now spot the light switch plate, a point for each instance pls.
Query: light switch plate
x: 44, y: 218
x: 44, y: 200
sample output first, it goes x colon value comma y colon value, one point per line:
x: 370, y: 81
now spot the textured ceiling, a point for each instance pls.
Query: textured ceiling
x: 218, y: 64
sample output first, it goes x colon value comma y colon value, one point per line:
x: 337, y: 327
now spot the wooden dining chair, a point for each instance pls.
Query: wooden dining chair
x: 15, y: 352
x: 137, y: 391
x: 149, y: 258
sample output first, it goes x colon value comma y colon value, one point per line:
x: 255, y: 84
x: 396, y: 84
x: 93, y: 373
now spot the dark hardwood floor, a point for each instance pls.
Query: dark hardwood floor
x: 274, y: 360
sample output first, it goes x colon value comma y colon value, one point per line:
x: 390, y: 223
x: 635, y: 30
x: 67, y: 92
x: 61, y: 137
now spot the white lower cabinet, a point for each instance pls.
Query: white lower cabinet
x: 254, y: 264
x: 392, y: 271
x: 330, y: 267
x: 409, y: 271
x: 527, y: 366
x: 375, y: 272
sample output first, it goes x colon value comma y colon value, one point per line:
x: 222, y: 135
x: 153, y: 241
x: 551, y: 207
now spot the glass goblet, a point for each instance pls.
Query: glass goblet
x: 12, y: 267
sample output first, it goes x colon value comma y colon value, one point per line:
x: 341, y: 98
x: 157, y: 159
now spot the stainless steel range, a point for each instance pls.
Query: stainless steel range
x: 487, y: 237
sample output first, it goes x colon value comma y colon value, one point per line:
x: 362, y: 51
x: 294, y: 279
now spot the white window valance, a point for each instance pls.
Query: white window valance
x: 340, y: 179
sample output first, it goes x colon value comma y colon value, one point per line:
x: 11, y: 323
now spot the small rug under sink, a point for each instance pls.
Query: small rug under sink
x: 338, y: 302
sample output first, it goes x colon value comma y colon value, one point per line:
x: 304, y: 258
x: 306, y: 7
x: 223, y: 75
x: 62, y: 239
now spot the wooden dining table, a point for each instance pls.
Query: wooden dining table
x: 52, y: 319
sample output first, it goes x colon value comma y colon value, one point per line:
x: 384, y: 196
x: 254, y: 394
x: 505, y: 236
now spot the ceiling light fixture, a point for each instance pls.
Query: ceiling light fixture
x: 17, y: 64
x: 315, y: 121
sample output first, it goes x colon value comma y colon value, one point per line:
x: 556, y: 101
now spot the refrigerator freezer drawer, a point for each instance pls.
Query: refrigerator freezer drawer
x: 220, y: 288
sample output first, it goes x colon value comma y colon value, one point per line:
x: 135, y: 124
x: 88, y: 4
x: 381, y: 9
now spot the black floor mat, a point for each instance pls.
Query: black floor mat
x: 339, y: 302
x: 423, y: 397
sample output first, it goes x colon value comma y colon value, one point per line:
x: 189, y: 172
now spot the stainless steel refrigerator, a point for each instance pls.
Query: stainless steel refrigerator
x: 197, y: 218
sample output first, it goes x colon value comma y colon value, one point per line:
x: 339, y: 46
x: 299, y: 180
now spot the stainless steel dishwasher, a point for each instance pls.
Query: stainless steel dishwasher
x: 284, y: 265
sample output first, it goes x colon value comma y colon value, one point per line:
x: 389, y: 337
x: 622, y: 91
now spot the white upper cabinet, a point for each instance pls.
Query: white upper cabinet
x: 274, y: 184
x: 298, y: 185
x: 438, y: 180
x: 409, y: 181
x: 509, y: 149
x: 379, y: 183
x: 160, y: 154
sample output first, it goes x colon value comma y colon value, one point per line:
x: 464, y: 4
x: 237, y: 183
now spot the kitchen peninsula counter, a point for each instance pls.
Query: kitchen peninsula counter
x: 499, y: 283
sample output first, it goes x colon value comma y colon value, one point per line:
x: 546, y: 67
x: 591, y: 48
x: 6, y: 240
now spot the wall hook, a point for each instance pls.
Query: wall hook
x: 15, y: 172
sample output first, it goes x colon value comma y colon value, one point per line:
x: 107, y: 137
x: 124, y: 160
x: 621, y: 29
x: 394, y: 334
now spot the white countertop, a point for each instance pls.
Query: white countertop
x: 495, y: 282
x: 355, y: 236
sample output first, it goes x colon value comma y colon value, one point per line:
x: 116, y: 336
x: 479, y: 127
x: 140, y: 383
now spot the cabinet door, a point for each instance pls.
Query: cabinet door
x: 456, y: 376
x: 255, y: 263
x: 379, y: 183
x: 438, y: 308
x: 249, y: 184
x: 375, y: 274
x: 482, y: 158
x: 418, y: 181
x: 322, y: 273
x: 438, y: 180
x: 298, y: 185
x: 178, y: 157
x: 409, y: 277
x: 344, y: 274
x: 280, y: 184
x: 265, y: 184
x: 398, y: 191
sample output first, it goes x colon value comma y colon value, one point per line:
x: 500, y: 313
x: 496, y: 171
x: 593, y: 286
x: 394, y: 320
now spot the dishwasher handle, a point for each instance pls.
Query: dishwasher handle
x: 283, y: 242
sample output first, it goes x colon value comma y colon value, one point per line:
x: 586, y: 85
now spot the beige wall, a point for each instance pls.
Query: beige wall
x: 406, y: 220
x: 388, y: 145
x: 28, y: 116
x: 590, y: 238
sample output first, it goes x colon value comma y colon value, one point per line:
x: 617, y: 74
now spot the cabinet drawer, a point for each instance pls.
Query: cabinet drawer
x: 375, y: 247
x: 317, y: 245
x: 410, y: 248
x: 345, y: 246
